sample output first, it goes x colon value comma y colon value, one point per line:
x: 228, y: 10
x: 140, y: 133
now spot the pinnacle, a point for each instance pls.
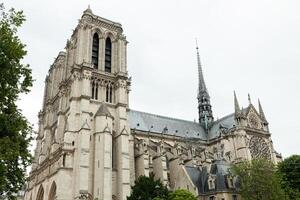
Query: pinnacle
x: 88, y: 10
x: 261, y: 112
x: 236, y: 104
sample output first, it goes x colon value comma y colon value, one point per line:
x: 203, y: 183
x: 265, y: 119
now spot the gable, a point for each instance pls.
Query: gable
x: 253, y: 118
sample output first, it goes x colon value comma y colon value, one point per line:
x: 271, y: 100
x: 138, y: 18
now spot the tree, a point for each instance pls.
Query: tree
x: 258, y: 180
x: 146, y: 188
x: 181, y: 194
x: 15, y: 131
x: 289, y: 173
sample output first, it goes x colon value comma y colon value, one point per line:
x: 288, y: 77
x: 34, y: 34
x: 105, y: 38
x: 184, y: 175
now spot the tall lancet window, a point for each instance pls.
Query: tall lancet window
x: 94, y: 90
x: 108, y: 55
x: 95, y: 51
x: 109, y: 93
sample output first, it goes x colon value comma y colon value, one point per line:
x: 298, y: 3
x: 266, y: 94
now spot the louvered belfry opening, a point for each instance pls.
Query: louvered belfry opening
x: 95, y: 51
x: 108, y: 55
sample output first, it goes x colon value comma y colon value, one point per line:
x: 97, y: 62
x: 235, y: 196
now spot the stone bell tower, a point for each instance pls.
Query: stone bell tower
x: 84, y: 142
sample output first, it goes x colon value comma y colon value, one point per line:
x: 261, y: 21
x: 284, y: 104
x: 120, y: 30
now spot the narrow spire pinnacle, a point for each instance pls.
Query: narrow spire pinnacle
x: 261, y: 112
x: 201, y: 86
x: 204, y: 107
x: 236, y: 104
x: 249, y: 99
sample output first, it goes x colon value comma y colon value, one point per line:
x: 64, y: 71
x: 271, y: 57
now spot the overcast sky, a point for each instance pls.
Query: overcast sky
x: 247, y: 46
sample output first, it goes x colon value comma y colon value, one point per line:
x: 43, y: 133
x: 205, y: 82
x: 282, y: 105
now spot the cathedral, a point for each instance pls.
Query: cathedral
x: 91, y: 145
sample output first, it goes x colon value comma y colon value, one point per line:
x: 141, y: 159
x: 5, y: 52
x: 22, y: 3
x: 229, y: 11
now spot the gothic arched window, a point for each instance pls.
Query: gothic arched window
x: 94, y: 90
x: 52, y: 193
x: 109, y: 93
x: 40, y: 194
x: 95, y: 51
x: 108, y: 55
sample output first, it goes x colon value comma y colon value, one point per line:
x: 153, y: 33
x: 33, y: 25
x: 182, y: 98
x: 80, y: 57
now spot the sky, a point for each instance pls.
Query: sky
x: 247, y: 46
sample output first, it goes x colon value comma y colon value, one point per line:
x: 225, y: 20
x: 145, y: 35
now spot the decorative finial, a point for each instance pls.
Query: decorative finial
x: 88, y: 10
x: 249, y: 99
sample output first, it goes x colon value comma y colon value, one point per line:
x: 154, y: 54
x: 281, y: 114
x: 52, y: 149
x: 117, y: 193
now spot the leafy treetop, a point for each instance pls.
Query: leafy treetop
x: 15, y: 131
x: 258, y: 180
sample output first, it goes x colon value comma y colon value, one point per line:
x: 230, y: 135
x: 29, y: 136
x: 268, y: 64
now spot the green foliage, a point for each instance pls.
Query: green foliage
x: 289, y: 173
x: 157, y: 198
x: 182, y: 194
x: 15, y: 131
x: 258, y: 180
x: 146, y: 188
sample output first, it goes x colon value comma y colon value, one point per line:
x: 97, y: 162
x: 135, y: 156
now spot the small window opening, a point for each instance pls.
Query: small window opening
x: 64, y: 160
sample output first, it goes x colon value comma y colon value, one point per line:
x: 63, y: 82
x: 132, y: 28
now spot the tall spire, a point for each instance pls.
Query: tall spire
x: 201, y: 85
x: 204, y: 107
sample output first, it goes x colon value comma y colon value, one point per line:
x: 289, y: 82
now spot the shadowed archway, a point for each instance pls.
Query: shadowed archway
x: 52, y: 192
x: 40, y: 194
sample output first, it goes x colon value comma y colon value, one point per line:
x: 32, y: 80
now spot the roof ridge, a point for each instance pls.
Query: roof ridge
x: 226, y: 116
x: 166, y: 117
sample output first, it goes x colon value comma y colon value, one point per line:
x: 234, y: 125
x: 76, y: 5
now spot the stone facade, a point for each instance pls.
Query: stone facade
x: 91, y: 145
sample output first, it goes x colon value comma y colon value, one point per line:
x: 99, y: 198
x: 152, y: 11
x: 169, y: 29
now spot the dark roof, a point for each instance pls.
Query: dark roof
x: 219, y: 170
x: 227, y: 122
x: 159, y: 124
x: 198, y: 177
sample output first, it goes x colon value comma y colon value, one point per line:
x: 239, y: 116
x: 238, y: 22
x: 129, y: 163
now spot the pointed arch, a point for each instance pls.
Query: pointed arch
x: 94, y: 91
x: 108, y: 53
x: 52, y: 192
x: 109, y: 93
x: 95, y: 51
x: 40, y: 194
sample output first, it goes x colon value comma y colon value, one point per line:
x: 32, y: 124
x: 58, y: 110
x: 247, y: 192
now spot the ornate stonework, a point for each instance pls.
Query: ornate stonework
x: 91, y: 145
x: 259, y: 148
